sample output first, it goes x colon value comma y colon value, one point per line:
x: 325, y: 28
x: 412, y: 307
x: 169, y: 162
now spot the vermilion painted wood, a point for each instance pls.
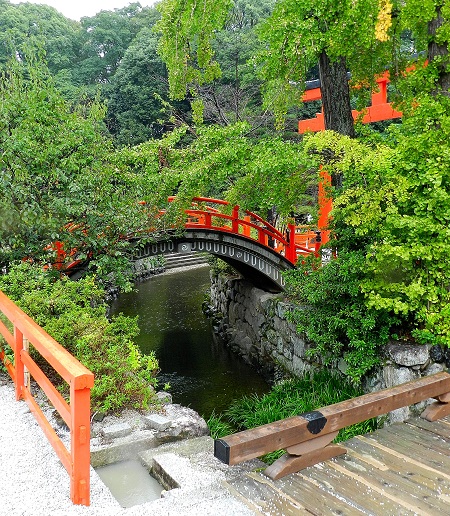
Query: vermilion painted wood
x: 380, y: 109
x: 9, y: 367
x: 295, y: 430
x: 55, y: 441
x: 217, y: 221
x: 7, y: 335
x: 53, y: 395
x: 80, y: 436
x: 325, y: 205
x: 80, y: 380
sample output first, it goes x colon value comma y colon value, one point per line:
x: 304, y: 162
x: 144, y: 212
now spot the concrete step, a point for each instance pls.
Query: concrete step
x: 175, y: 260
x: 197, y: 455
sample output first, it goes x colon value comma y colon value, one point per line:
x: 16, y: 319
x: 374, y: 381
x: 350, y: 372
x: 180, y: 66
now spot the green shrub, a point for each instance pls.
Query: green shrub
x: 74, y: 314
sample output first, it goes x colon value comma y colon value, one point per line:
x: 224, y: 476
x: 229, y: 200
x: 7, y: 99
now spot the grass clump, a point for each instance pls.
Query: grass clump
x: 290, y: 398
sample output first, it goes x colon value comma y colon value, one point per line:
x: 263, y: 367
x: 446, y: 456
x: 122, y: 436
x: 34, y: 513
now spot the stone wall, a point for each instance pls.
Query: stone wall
x: 254, y: 324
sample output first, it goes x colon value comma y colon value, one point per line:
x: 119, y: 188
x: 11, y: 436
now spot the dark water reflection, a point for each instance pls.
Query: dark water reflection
x: 202, y: 372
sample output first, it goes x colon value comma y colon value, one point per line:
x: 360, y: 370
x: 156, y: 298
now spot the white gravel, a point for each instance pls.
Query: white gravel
x: 34, y: 483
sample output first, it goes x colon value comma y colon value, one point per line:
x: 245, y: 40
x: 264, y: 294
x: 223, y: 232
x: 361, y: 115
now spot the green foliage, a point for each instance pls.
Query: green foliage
x: 333, y: 315
x: 394, y: 206
x: 58, y: 168
x: 133, y: 104
x: 298, y: 32
x: 218, y: 427
x: 42, y: 25
x: 74, y: 314
x: 290, y: 398
x: 187, y: 28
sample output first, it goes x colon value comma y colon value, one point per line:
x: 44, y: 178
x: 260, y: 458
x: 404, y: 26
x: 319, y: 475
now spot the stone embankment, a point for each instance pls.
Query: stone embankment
x: 255, y: 324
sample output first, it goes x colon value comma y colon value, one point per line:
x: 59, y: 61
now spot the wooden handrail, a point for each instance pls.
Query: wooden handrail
x: 80, y: 380
x: 286, y: 244
x: 307, y: 437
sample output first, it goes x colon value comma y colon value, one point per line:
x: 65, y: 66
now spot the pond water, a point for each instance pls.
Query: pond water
x: 202, y: 372
x: 130, y: 483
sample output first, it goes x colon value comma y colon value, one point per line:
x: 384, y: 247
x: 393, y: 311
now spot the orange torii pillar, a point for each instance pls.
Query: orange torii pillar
x: 380, y: 109
x: 325, y: 205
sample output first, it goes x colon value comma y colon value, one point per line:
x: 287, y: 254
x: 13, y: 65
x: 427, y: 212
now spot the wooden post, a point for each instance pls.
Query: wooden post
x: 325, y: 205
x: 438, y: 409
x: 235, y: 221
x: 27, y: 379
x: 291, y: 252
x: 18, y: 364
x: 246, y: 229
x: 80, y: 445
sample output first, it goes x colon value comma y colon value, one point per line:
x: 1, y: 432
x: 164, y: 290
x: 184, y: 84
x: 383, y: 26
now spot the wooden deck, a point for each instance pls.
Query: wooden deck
x: 398, y: 470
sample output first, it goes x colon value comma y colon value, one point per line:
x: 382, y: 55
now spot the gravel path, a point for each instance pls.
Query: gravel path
x: 34, y: 483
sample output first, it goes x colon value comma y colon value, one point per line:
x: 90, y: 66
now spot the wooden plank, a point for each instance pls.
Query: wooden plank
x: 291, y: 463
x: 46, y: 385
x: 412, y: 452
x: 317, y: 500
x: 289, y: 432
x: 355, y: 490
x: 384, y: 458
x: 436, y: 411
x: 58, y: 357
x: 441, y: 428
x: 8, y: 336
x: 410, y: 482
x: 417, y: 437
x: 52, y: 436
x: 263, y: 496
x: 390, y: 486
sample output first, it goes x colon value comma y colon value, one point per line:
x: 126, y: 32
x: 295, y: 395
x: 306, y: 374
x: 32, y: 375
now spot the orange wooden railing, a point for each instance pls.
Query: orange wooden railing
x: 297, y: 241
x: 251, y: 226
x: 76, y: 414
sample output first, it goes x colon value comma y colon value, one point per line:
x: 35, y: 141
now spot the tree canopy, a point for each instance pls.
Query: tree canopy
x: 58, y: 177
x: 391, y: 210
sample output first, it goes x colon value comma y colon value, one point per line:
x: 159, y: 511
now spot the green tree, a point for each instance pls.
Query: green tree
x: 335, y: 33
x: 134, y: 103
x: 56, y: 168
x: 235, y: 96
x: 74, y: 313
x: 24, y: 22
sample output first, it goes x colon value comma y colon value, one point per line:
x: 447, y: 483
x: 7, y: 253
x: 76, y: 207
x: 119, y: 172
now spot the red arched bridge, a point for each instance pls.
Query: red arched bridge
x: 250, y: 244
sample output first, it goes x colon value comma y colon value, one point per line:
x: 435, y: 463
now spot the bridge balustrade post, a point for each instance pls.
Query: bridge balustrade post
x: 18, y: 364
x: 235, y: 221
x: 291, y: 252
x: 318, y: 243
x: 246, y: 228
x: 208, y: 220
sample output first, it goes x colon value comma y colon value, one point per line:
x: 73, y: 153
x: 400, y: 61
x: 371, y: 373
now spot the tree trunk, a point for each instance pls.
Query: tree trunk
x: 336, y: 95
x: 439, y: 50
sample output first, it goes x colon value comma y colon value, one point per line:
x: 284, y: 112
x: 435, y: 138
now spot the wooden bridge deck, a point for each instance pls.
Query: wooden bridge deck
x: 398, y: 470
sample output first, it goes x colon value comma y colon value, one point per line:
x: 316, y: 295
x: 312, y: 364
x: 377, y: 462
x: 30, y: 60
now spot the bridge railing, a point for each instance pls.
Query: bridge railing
x: 250, y: 225
x: 76, y: 414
